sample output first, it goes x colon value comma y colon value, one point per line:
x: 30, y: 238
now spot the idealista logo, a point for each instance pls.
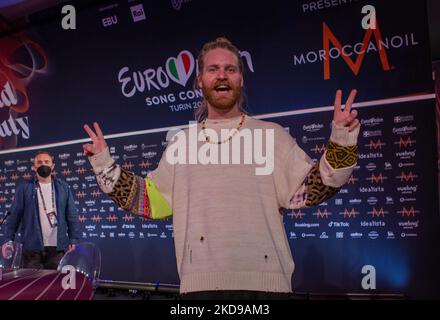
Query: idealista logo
x: 346, y: 51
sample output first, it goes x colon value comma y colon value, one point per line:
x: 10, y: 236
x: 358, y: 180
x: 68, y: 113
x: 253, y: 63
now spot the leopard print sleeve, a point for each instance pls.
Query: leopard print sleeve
x: 129, y: 193
x: 140, y: 196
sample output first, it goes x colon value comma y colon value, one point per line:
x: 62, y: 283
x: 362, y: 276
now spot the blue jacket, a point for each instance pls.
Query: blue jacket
x: 25, y: 210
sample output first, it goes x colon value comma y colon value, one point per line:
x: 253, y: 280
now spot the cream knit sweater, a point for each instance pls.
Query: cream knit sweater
x: 228, y: 231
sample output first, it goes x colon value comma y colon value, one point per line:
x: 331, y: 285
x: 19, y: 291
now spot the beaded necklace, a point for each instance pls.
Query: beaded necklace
x: 208, y: 139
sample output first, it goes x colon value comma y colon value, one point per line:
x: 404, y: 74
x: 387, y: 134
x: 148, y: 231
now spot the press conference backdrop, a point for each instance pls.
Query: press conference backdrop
x: 131, y: 66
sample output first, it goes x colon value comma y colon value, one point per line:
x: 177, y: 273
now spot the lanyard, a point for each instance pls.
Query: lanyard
x: 42, y: 198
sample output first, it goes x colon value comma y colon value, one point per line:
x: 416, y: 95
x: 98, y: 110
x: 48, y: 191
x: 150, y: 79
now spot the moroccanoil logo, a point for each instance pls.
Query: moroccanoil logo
x: 355, y: 66
x: 353, y: 54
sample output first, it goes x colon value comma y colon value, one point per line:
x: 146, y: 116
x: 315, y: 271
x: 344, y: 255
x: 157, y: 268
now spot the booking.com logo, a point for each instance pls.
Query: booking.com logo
x: 255, y: 145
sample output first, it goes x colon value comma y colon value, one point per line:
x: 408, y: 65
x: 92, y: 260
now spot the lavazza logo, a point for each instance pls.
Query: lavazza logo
x: 353, y: 54
x: 177, y: 70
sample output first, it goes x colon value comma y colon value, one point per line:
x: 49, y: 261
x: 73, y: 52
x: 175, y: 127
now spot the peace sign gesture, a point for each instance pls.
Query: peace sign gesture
x: 346, y: 117
x: 99, y: 143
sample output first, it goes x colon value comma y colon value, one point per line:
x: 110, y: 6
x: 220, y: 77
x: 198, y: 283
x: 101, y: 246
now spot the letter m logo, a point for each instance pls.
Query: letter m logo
x: 374, y: 145
x: 349, y: 214
x: 377, y: 179
x: 407, y: 177
x: 354, y: 66
x: 323, y: 214
x: 319, y: 149
x: 377, y: 213
x: 408, y: 213
x: 404, y: 143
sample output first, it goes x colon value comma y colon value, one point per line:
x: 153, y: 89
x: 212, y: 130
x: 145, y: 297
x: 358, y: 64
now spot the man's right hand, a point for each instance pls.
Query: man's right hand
x: 7, y: 245
x: 99, y: 144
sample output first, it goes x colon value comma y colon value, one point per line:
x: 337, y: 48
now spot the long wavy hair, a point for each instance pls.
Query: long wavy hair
x: 202, y: 112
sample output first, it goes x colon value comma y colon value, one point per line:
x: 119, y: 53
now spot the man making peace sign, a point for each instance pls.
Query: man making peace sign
x: 229, y: 235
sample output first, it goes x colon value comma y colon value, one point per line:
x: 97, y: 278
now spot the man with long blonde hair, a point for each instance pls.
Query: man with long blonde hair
x: 229, y: 236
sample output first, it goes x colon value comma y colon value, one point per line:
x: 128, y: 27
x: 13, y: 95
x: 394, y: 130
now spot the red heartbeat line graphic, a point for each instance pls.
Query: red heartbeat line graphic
x: 112, y: 218
x: 374, y: 145
x: 80, y: 194
x: 3, y: 178
x: 96, y: 193
x: 145, y: 164
x: 26, y: 176
x: 296, y: 215
x: 322, y: 214
x: 407, y: 177
x: 128, y: 218
x: 352, y: 179
x: 405, y: 143
x: 349, y: 214
x: 96, y: 218
x: 408, y: 213
x: 80, y: 170
x: 318, y: 149
x: 377, y: 179
x: 377, y: 213
x: 128, y: 166
x: 14, y: 177
x: 66, y: 172
x: 82, y: 218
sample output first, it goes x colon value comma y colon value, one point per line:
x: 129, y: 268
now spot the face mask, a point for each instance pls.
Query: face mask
x: 44, y: 171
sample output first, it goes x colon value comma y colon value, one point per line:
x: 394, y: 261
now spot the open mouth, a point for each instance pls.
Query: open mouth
x: 222, y: 88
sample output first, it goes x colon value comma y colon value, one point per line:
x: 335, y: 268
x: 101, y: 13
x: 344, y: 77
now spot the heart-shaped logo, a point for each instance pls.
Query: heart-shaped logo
x: 180, y: 69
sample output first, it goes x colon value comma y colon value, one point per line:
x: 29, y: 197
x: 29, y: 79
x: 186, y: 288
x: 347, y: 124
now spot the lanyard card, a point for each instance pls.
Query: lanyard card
x: 52, y: 217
